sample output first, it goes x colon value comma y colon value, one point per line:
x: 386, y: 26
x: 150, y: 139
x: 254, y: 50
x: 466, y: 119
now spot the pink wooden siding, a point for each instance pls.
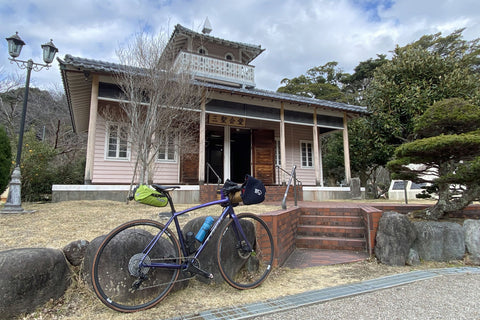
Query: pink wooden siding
x: 111, y: 171
x: 293, y: 135
x: 108, y: 171
x: 166, y: 172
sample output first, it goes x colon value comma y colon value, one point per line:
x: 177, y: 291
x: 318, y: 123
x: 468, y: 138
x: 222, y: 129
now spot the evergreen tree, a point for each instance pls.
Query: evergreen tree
x: 446, y: 155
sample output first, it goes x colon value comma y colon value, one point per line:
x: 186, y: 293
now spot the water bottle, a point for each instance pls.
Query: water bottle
x: 204, y: 229
x: 190, y: 242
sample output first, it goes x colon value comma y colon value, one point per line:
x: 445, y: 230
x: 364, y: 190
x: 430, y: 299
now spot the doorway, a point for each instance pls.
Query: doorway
x: 240, y: 154
x: 214, y: 153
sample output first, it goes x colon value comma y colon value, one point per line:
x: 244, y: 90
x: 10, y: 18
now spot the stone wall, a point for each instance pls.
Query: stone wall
x: 400, y: 241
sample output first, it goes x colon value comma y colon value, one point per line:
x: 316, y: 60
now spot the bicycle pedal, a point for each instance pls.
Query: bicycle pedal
x: 196, y: 270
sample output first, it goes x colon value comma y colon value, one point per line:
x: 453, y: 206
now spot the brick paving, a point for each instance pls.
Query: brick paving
x: 304, y: 258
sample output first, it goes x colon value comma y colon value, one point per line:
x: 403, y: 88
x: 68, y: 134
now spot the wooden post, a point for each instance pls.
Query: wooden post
x: 201, y: 143
x: 316, y: 150
x: 283, y: 155
x: 92, y: 125
x: 346, y: 150
x: 226, y: 153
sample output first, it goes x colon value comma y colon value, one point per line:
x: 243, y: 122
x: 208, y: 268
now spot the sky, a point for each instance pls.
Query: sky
x: 296, y: 34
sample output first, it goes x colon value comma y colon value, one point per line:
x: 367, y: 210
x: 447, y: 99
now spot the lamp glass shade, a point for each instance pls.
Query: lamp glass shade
x: 49, y: 51
x: 15, y: 45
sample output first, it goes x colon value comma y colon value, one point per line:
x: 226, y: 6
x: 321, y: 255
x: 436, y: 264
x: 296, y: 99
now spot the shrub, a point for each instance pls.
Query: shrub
x: 36, y: 167
x: 5, y: 159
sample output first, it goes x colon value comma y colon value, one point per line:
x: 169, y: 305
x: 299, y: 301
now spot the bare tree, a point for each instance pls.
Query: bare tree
x: 159, y: 102
x: 11, y: 97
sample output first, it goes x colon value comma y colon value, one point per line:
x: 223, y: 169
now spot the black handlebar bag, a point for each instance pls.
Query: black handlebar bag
x: 253, y: 190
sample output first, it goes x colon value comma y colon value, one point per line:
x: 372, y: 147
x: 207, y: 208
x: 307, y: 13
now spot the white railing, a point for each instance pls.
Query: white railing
x: 216, y: 69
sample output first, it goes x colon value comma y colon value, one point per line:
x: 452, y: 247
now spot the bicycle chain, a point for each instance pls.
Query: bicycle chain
x: 165, y: 283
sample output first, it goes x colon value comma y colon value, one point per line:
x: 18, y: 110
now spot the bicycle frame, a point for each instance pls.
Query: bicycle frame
x: 228, y: 211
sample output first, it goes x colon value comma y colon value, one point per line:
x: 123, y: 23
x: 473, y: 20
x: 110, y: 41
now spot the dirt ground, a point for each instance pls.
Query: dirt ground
x: 54, y: 225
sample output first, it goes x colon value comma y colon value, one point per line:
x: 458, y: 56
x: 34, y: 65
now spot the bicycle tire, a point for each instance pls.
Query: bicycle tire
x: 115, y: 266
x: 240, y: 268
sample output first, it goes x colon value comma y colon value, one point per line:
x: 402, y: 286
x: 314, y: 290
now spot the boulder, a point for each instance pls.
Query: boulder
x: 413, y: 259
x: 88, y: 259
x: 119, y: 256
x: 439, y: 241
x: 355, y: 188
x: 75, y: 251
x: 395, y: 236
x: 208, y: 258
x: 471, y: 230
x: 30, y: 278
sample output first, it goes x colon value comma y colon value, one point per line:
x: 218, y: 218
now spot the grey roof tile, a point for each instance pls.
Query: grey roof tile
x: 107, y: 67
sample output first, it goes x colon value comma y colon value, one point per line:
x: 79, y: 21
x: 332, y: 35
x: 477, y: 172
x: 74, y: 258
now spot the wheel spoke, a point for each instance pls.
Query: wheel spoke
x: 120, y: 280
x: 241, y: 267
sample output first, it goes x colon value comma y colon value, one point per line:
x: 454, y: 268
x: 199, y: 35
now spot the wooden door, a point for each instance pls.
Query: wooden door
x: 189, y: 168
x: 263, y: 155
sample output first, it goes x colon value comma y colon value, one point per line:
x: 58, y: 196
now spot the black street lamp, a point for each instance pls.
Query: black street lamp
x: 15, y: 45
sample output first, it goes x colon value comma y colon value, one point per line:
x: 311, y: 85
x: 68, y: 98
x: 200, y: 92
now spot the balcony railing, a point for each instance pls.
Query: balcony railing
x: 223, y: 71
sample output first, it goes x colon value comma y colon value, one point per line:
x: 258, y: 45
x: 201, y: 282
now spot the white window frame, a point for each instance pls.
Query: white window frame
x: 278, y: 154
x: 171, y: 143
x: 118, y: 142
x: 309, y: 160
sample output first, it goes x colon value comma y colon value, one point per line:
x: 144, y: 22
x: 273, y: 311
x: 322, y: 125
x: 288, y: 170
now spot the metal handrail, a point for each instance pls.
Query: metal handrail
x: 286, y: 172
x: 293, y: 176
x: 209, y: 167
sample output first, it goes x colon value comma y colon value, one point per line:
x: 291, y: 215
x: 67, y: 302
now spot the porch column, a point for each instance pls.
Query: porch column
x: 92, y: 125
x: 321, y: 162
x: 283, y: 155
x: 346, y: 150
x: 201, y: 141
x: 316, y: 150
x: 226, y: 153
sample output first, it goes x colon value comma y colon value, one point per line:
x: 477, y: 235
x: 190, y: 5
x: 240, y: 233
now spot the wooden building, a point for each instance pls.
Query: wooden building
x: 242, y: 129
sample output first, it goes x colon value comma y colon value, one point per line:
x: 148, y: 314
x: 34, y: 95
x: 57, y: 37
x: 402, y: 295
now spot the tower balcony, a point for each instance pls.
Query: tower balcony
x: 216, y: 70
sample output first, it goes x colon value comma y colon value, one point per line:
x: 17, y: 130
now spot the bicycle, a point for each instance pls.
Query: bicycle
x: 150, y: 258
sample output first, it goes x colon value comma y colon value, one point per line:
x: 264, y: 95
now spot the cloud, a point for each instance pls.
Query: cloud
x: 297, y: 35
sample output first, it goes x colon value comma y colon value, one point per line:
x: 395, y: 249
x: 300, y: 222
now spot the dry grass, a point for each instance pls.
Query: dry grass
x: 56, y: 224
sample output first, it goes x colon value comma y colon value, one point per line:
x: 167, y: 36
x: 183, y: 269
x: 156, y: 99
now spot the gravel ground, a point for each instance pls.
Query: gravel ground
x: 443, y: 297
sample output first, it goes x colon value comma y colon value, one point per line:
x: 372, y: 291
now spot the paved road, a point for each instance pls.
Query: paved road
x: 443, y: 297
x: 449, y: 293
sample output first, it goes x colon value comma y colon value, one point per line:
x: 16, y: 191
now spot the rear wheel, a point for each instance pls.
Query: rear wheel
x: 119, y: 276
x: 245, y: 262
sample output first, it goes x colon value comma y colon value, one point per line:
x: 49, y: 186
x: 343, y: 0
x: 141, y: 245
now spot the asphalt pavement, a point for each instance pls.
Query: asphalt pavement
x: 449, y: 293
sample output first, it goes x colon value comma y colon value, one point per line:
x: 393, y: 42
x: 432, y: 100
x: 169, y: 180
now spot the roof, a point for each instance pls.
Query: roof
x: 286, y: 97
x: 75, y: 71
x: 181, y: 34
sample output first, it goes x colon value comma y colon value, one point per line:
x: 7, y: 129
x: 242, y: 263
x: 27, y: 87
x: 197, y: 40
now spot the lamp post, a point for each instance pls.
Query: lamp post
x: 15, y: 45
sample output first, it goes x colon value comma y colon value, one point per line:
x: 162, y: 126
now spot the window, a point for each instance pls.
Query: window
x: 117, y: 141
x: 202, y: 50
x: 167, y: 150
x: 278, y: 158
x: 306, y: 154
x: 229, y: 56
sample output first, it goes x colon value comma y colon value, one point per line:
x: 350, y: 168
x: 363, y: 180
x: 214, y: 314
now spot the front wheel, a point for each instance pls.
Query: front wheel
x: 245, y: 255
x: 119, y: 275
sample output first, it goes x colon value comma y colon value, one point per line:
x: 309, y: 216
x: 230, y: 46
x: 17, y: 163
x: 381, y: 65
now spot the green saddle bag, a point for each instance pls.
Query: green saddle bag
x: 146, y: 195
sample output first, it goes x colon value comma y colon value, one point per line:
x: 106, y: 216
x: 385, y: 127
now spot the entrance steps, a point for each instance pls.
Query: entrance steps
x: 331, y: 230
